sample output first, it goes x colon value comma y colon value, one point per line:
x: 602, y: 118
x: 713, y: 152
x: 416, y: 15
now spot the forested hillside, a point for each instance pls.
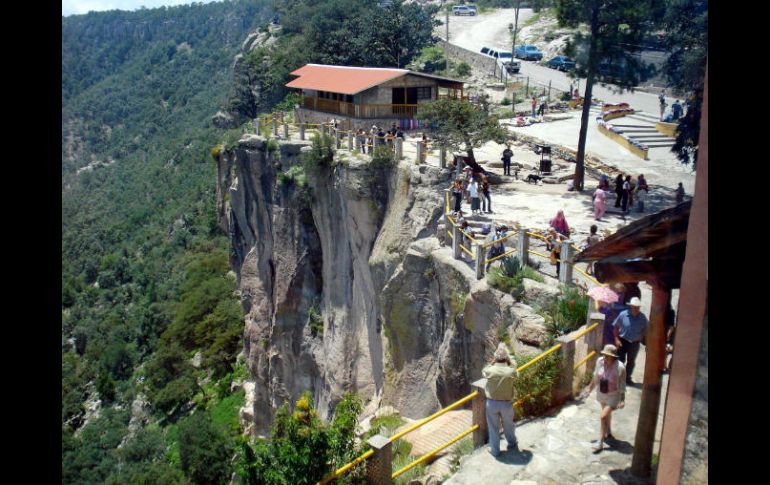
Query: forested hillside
x: 144, y: 267
x: 151, y: 323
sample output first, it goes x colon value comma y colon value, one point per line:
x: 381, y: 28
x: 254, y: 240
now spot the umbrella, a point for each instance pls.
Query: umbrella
x: 602, y: 293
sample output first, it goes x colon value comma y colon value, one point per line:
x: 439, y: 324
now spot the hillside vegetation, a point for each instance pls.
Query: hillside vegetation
x: 145, y: 279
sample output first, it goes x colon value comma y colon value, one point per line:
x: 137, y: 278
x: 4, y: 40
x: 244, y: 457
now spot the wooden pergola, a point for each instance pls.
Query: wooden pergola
x: 651, y: 249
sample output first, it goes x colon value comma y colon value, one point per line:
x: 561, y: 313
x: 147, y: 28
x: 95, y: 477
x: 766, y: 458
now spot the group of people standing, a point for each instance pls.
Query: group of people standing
x: 474, y: 188
x: 538, y: 106
x: 677, y: 111
x: 625, y: 190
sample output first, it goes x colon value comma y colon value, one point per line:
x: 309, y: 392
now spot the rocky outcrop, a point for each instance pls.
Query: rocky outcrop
x: 403, y: 322
x: 540, y: 293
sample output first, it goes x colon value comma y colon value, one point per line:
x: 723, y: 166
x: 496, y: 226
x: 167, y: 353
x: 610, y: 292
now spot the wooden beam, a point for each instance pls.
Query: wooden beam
x: 664, y: 271
x: 641, y: 463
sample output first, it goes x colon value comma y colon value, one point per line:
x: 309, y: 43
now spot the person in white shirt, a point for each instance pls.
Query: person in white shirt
x: 473, y: 190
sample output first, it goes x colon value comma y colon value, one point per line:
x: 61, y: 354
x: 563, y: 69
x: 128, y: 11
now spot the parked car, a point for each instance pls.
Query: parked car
x: 464, y: 10
x: 528, y: 53
x: 561, y: 63
x: 511, y: 67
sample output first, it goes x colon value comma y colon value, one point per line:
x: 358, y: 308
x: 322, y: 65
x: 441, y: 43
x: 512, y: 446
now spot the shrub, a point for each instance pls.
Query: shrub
x: 514, y: 284
x: 463, y: 69
x: 272, y: 145
x: 215, y: 152
x: 566, y: 314
x: 506, y: 101
x: 383, y: 158
x: 203, y: 450
x: 510, y: 266
x: 321, y: 154
x: 534, y: 385
x: 315, y: 321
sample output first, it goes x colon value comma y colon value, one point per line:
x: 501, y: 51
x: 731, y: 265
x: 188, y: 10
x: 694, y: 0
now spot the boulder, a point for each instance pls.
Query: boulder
x: 540, y: 293
x: 528, y: 326
x: 224, y: 120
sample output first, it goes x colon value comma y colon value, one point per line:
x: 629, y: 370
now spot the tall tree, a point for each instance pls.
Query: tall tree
x: 686, y: 39
x: 461, y: 125
x: 616, y: 29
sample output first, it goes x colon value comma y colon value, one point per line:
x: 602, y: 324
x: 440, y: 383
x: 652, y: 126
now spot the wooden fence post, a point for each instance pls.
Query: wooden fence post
x: 479, y: 257
x: 256, y: 125
x: 442, y: 157
x: 302, y: 131
x: 275, y: 125
x: 399, y: 148
x: 285, y: 131
x: 420, y: 148
x: 522, y: 246
x: 379, y: 466
x: 456, y: 235
x: 478, y: 406
x: 565, y: 272
x: 350, y: 140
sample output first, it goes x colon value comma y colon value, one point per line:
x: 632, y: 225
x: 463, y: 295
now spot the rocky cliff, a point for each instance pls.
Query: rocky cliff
x: 403, y: 322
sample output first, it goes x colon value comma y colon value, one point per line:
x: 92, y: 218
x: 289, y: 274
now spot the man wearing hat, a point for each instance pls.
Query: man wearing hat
x: 500, y: 376
x: 630, y: 328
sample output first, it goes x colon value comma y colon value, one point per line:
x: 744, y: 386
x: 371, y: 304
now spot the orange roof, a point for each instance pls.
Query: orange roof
x: 342, y: 79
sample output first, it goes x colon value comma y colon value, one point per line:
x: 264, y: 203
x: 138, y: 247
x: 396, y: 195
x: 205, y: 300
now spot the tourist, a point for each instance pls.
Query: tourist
x: 534, y: 106
x: 641, y: 192
x: 497, y: 248
x: 541, y: 110
x: 624, y: 195
x: 553, y: 244
x: 630, y: 328
x: 662, y: 101
x: 670, y: 324
x: 610, y: 374
x: 400, y: 134
x: 631, y: 192
x: 473, y: 192
x: 618, y: 189
x: 361, y: 139
x: 604, y: 183
x: 592, y: 238
x: 679, y: 194
x: 676, y: 110
x: 576, y: 94
x: 486, y: 200
x: 500, y: 375
x: 466, y: 231
x: 507, y: 154
x: 560, y: 224
x: 600, y: 207
x: 611, y: 312
x: 457, y: 192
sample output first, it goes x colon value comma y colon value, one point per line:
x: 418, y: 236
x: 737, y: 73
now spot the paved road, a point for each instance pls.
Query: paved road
x: 491, y: 30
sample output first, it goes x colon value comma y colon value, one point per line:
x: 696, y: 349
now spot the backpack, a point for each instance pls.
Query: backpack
x: 486, y: 228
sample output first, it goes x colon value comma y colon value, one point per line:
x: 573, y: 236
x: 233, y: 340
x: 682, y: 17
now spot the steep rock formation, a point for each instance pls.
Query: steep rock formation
x: 404, y: 323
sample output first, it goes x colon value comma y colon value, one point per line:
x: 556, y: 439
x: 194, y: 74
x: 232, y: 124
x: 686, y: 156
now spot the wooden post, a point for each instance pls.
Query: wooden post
x: 323, y: 130
x: 286, y: 131
x: 442, y: 157
x: 456, y: 235
x: 522, y: 246
x: 302, y: 131
x: 527, y: 86
x: 653, y: 365
x: 399, y: 148
x: 256, y: 125
x: 420, y: 148
x: 565, y: 273
x: 337, y: 140
x: 350, y: 140
x: 549, y: 90
x: 563, y: 389
x: 479, y: 257
x: 275, y: 125
x: 479, y: 409
x: 379, y: 466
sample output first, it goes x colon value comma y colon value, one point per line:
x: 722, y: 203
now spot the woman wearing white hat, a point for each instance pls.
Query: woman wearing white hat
x: 611, y: 376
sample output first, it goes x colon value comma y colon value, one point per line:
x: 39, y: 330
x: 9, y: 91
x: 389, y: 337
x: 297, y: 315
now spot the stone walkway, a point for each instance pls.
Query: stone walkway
x: 557, y: 449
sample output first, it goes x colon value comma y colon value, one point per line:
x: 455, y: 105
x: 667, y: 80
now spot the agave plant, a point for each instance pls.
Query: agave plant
x: 510, y: 266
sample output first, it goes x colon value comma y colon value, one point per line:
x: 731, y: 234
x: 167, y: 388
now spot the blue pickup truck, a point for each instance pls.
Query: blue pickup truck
x: 528, y: 53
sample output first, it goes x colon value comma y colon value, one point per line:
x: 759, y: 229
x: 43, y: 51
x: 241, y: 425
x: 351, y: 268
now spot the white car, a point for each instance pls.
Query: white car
x: 464, y: 10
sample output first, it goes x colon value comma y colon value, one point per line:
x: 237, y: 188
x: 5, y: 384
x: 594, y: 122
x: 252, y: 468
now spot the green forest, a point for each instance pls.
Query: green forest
x: 150, y: 317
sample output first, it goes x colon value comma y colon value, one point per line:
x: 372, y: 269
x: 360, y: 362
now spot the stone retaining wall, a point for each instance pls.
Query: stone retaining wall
x: 488, y: 65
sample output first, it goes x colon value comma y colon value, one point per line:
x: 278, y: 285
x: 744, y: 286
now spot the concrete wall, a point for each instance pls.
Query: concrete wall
x: 486, y: 64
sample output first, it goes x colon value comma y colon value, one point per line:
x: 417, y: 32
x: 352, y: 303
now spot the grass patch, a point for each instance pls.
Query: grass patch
x: 225, y: 412
x: 464, y: 447
x: 400, y: 462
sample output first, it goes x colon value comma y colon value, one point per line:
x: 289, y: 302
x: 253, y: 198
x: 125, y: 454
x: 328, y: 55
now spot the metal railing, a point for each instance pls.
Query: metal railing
x: 455, y: 405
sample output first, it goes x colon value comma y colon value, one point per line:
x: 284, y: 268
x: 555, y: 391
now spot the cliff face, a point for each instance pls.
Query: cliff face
x: 403, y: 322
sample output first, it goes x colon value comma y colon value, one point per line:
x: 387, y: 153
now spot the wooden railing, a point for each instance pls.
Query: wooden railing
x: 360, y: 110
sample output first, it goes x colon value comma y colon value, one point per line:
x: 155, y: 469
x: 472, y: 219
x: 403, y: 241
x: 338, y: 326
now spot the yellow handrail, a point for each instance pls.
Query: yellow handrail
x: 450, y: 234
x: 434, y: 415
x: 538, y: 236
x: 584, y: 359
x: 435, y: 450
x: 345, y: 468
x: 513, y: 233
x: 540, y: 254
x: 587, y: 275
x: 466, y: 250
x: 585, y: 331
x: 539, y: 357
x: 502, y: 255
x: 451, y: 220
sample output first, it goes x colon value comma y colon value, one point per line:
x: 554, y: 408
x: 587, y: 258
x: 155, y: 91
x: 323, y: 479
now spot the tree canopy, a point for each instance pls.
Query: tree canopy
x: 461, y: 125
